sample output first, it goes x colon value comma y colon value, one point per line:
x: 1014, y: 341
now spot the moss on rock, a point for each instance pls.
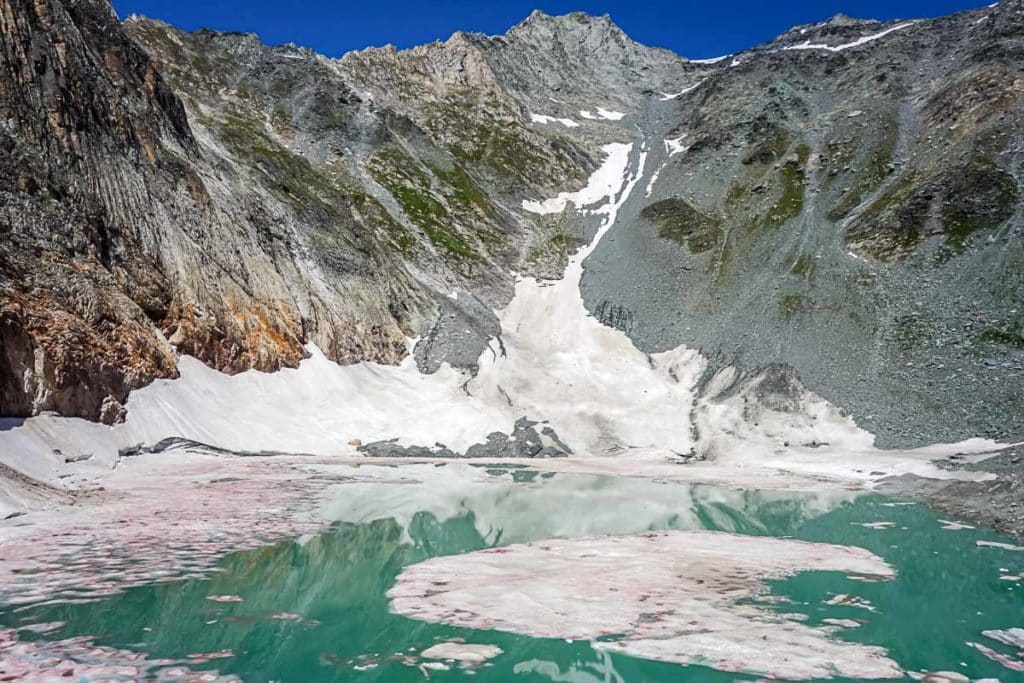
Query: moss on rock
x: 680, y: 222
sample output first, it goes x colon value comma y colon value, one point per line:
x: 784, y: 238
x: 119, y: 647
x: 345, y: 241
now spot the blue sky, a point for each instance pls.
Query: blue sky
x: 694, y: 29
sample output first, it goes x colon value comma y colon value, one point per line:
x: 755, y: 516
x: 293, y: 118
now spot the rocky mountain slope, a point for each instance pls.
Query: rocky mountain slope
x: 840, y: 207
x: 847, y: 205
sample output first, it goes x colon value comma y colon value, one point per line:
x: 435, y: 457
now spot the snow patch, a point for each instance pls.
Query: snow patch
x: 666, y: 96
x: 598, y: 390
x: 544, y: 119
x: 808, y: 45
x: 603, y: 184
x: 653, y: 181
x: 316, y: 408
x: 602, y: 114
x: 676, y: 146
x: 713, y: 60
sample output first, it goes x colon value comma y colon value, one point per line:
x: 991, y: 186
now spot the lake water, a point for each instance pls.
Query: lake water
x: 315, y: 608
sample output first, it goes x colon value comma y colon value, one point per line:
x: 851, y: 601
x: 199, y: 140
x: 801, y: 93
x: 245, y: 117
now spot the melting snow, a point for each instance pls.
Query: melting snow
x: 621, y: 594
x: 555, y: 362
x: 653, y: 181
x: 602, y: 114
x: 807, y: 45
x: 675, y: 146
x: 541, y: 118
x: 603, y: 184
x: 666, y: 96
x: 713, y: 60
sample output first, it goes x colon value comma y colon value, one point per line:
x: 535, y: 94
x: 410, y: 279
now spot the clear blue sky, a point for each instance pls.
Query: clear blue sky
x: 707, y: 28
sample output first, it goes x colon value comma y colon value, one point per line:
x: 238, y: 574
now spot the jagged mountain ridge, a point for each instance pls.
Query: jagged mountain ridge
x: 302, y: 199
x: 207, y: 232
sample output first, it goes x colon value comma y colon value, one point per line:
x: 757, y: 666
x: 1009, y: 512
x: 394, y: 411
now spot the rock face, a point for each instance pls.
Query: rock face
x: 842, y: 204
x: 250, y: 203
x: 848, y: 204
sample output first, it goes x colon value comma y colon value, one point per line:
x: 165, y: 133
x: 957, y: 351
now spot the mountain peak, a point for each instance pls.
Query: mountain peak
x: 567, y: 21
x: 843, y: 20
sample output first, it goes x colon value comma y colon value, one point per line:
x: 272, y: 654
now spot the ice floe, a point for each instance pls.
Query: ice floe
x: 953, y: 526
x: 845, y: 600
x: 82, y: 659
x: 671, y: 596
x: 1010, y: 662
x: 462, y: 652
x: 1014, y: 637
x: 1001, y: 546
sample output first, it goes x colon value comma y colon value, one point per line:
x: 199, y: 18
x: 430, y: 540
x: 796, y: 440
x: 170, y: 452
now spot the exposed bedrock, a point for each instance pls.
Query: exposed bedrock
x: 854, y: 215
x: 525, y: 441
x: 168, y: 193
x: 843, y: 203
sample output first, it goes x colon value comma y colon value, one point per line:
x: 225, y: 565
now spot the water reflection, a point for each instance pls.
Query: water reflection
x: 314, y: 608
x: 545, y: 505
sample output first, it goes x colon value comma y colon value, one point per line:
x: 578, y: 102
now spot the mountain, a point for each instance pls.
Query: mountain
x: 837, y: 209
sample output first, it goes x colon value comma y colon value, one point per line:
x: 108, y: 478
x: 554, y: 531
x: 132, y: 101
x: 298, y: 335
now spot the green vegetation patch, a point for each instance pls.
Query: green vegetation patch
x: 409, y: 184
x: 791, y: 200
x: 803, y: 266
x: 485, y: 139
x: 980, y: 197
x: 792, y: 304
x: 771, y: 147
x: 1004, y: 337
x: 289, y: 176
x: 464, y: 191
x: 555, y: 246
x: 869, y: 166
x: 680, y: 222
x: 894, y: 224
x: 913, y: 332
x: 965, y: 199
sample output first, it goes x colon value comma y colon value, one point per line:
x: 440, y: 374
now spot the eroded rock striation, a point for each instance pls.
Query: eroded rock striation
x: 840, y: 206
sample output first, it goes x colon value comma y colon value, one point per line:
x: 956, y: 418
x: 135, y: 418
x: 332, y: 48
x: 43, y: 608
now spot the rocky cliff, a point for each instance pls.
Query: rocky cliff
x: 841, y: 204
x: 203, y: 194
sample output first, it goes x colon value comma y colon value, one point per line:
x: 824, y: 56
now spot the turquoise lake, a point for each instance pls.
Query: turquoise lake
x: 314, y: 608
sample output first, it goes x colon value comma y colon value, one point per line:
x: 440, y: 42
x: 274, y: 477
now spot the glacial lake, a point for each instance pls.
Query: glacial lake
x: 316, y: 608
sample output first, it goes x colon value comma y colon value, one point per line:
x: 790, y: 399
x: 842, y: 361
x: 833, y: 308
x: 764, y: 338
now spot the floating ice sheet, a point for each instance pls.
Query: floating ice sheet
x: 670, y: 596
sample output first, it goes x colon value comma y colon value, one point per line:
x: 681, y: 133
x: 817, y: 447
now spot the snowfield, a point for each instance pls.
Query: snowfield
x: 556, y: 364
